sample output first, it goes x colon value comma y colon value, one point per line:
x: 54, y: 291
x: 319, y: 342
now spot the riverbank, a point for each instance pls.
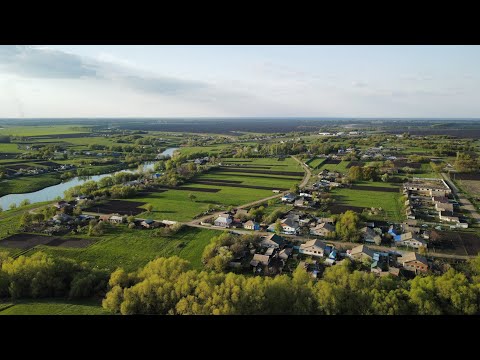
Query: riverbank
x: 45, y: 188
x: 28, y: 184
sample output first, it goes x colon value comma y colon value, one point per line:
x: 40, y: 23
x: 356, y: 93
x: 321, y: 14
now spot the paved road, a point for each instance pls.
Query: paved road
x: 465, y: 204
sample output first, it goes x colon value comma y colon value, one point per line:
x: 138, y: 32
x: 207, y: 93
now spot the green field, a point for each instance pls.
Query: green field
x: 176, y: 205
x: 388, y: 201
x: 287, y: 164
x: 28, y: 184
x: 131, y: 249
x: 341, y: 167
x: 9, y: 148
x: 53, y: 307
x: 313, y: 163
x: 40, y: 130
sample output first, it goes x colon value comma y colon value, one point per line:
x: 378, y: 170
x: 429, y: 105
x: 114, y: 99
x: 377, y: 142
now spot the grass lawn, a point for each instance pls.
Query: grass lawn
x: 54, y: 307
x: 251, y: 179
x: 28, y: 184
x: 9, y: 148
x: 131, y: 249
x: 213, y: 150
x: 314, y: 162
x: 341, y: 167
x: 427, y: 172
x: 287, y: 164
x: 175, y: 204
x: 389, y: 201
x: 10, y: 220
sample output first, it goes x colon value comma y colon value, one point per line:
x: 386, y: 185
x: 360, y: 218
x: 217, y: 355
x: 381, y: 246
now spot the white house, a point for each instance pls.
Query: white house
x: 224, y: 220
x: 313, y: 248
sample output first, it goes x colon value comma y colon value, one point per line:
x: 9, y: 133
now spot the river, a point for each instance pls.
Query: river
x: 51, y: 192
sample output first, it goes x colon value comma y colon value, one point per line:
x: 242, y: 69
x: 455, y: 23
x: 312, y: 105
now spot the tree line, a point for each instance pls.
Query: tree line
x: 169, y: 286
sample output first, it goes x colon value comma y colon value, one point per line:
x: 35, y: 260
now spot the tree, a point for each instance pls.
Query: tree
x: 192, y: 197
x: 278, y: 227
x: 24, y: 202
x: 271, y: 202
x: 295, y: 188
x: 26, y: 219
x: 466, y: 162
x: 149, y: 207
x: 12, y: 206
x: 355, y: 173
x: 385, y: 177
x: 346, y: 227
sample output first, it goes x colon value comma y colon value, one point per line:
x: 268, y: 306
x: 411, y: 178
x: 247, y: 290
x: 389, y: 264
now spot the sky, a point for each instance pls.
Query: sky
x: 239, y: 81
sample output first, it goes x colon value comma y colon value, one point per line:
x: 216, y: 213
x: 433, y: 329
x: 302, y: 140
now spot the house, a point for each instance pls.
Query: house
x: 289, y: 226
x: 369, y: 235
x: 116, y: 219
x: 289, y: 197
x: 285, y: 253
x: 269, y: 251
x: 272, y: 240
x: 328, y: 220
x: 62, y: 218
x: 251, y: 225
x: 149, y: 224
x: 322, y: 229
x: 259, y: 259
x: 430, y: 187
x: 440, y: 199
x: 105, y: 217
x: 61, y: 204
x: 447, y: 217
x: 313, y: 248
x: 414, y: 242
x: 413, y: 262
x: 360, y: 252
x: 444, y: 207
x: 224, y: 220
x: 300, y: 202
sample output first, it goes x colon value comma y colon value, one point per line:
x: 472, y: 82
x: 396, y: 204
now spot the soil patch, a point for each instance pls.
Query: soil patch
x: 340, y: 208
x: 459, y: 243
x: 119, y: 207
x: 331, y: 161
x: 239, y: 185
x: 355, y: 163
x: 373, y: 188
x: 467, y: 176
x: 47, y: 163
x: 292, y: 173
x: 28, y: 241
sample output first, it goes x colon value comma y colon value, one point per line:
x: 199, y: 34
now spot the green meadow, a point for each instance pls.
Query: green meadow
x: 53, y: 307
x: 133, y: 248
x: 390, y: 202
